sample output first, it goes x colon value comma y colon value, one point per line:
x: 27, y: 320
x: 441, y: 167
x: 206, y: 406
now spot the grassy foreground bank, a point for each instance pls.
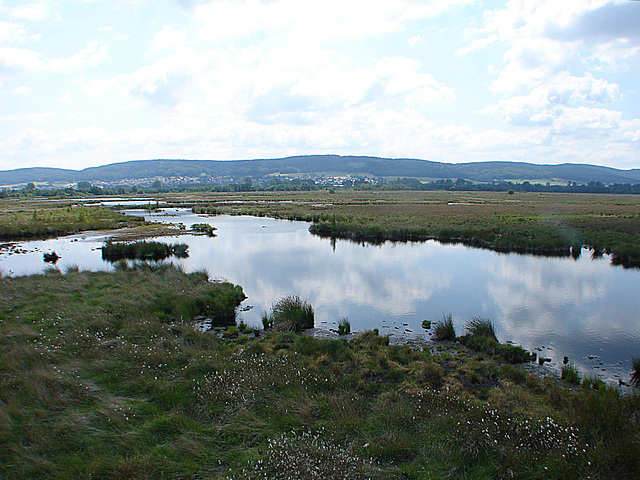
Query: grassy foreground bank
x: 102, y: 375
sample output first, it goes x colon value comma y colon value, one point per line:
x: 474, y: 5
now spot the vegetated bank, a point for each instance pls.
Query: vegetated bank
x: 29, y: 219
x: 104, y: 375
x: 537, y: 223
x: 113, y: 251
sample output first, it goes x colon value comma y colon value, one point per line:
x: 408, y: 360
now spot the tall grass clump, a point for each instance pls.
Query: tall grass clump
x: 481, y: 336
x: 635, y: 375
x: 290, y: 314
x: 570, y: 374
x: 344, y: 326
x: 444, y: 329
x: 481, y: 327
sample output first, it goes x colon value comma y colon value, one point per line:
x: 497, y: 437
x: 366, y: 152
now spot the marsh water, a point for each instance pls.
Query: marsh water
x: 582, y: 308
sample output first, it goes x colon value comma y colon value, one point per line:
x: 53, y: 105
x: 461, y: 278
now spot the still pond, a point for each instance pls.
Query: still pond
x: 583, y: 308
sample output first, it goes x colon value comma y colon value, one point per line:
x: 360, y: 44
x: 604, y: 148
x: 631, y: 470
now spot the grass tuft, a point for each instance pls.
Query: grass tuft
x: 635, y: 375
x: 444, y: 329
x: 481, y: 327
x: 291, y: 314
x: 72, y: 268
x: 570, y: 374
x: 344, y: 326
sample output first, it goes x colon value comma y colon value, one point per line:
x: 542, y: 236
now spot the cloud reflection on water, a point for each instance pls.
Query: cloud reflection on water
x: 575, y: 307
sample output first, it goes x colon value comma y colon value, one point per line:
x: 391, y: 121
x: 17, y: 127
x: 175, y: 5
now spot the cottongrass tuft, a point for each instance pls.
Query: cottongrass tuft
x: 311, y: 455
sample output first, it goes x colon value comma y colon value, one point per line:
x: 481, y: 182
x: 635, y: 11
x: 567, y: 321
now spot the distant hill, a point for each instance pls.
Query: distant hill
x: 327, y: 165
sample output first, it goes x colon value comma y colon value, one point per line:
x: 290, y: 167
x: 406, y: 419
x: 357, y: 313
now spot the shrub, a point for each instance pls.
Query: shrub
x: 344, y: 326
x: 291, y: 314
x: 481, y: 327
x: 444, y: 329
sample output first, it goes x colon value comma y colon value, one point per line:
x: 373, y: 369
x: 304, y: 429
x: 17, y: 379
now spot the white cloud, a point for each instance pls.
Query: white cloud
x: 29, y: 59
x: 259, y: 78
x: 168, y: 38
x: 415, y: 41
x: 585, y: 121
x: 305, y: 21
x: 543, y: 102
x: 11, y: 32
x: 32, y: 11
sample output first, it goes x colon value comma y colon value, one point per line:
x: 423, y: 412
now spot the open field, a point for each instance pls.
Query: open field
x: 543, y: 223
x: 103, y: 375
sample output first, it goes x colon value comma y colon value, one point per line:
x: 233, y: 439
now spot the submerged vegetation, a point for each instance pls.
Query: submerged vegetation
x: 104, y: 375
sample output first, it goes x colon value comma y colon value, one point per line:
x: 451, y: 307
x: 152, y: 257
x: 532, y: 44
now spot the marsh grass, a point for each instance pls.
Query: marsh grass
x: 481, y: 337
x: 48, y: 220
x: 204, y: 228
x: 142, y: 250
x: 290, y: 313
x: 104, y: 376
x: 635, y: 375
x: 344, y: 326
x: 481, y: 327
x: 570, y: 374
x: 444, y: 329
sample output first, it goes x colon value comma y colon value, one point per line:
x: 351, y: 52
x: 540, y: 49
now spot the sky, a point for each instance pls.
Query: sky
x: 92, y: 82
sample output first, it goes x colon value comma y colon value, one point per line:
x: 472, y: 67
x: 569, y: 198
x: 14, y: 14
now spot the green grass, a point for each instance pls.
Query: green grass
x: 142, y: 250
x: 40, y: 219
x: 103, y: 375
x: 635, y: 376
x: 290, y: 314
x: 570, y: 374
x: 344, y: 326
x: 444, y: 329
x: 481, y: 327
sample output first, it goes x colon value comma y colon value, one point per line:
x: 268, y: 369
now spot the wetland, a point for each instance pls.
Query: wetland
x: 97, y: 353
